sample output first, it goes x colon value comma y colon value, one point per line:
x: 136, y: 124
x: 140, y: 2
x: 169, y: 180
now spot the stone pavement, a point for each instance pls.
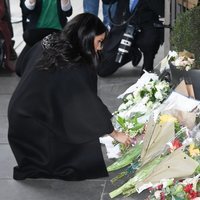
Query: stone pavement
x: 98, y: 189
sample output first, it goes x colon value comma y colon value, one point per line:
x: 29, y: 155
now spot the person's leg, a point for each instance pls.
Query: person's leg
x: 7, y: 18
x: 105, y: 8
x: 91, y: 6
x: 149, y: 42
x: 108, y: 65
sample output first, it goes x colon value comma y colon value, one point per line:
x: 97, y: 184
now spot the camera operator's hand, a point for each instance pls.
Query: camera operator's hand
x: 121, y: 137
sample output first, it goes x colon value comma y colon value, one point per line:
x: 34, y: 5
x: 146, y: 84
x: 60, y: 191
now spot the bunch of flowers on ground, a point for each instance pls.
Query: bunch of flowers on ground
x: 182, y: 60
x: 187, y: 189
x: 180, y: 189
x: 161, y: 138
x: 137, y: 106
x: 159, y: 157
x: 144, y: 99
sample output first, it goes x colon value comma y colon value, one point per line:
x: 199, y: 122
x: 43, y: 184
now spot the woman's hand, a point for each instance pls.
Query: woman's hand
x: 121, y: 137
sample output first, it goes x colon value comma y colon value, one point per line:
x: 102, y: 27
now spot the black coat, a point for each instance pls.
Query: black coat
x: 55, y: 121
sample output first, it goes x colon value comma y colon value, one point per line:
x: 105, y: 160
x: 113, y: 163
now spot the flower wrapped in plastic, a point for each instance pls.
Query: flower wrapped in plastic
x: 137, y: 106
x: 162, y: 148
x: 185, y: 188
x: 182, y: 60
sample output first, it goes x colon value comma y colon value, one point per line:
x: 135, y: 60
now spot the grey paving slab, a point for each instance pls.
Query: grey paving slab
x: 8, y: 83
x: 3, y: 129
x: 109, y: 88
x: 51, y: 190
x: 7, y: 162
x: 4, y: 100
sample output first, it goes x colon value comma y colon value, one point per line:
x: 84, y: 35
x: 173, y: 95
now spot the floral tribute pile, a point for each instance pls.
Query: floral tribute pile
x: 165, y: 154
x: 183, y: 60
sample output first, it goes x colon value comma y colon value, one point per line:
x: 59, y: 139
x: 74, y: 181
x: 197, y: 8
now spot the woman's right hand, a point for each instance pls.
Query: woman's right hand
x: 121, y: 137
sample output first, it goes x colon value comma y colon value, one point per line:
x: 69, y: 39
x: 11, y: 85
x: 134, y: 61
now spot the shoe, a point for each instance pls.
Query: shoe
x: 137, y: 55
x: 13, y: 54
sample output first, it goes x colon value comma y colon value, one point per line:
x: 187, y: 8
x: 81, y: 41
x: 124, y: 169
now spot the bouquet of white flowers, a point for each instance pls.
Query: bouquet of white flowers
x: 182, y: 60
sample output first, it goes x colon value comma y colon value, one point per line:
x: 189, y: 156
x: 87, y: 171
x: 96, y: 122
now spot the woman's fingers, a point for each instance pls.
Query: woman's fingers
x: 122, y: 137
x: 128, y: 141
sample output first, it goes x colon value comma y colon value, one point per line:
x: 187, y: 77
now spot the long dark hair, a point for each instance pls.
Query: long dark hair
x: 75, y: 43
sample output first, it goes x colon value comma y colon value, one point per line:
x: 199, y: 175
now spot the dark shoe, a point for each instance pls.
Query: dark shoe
x: 136, y: 57
x: 13, y: 54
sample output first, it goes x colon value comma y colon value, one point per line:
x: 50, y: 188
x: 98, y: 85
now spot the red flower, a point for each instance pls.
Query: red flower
x: 150, y: 189
x: 192, y: 194
x: 162, y: 196
x: 160, y: 187
x: 176, y: 144
x: 188, y: 188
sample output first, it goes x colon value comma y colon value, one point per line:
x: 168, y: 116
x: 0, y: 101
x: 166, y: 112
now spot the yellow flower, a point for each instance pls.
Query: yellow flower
x: 167, y: 118
x: 193, y: 151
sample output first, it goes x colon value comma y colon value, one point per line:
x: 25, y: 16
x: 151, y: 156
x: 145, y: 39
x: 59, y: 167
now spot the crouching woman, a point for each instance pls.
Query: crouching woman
x: 55, y: 115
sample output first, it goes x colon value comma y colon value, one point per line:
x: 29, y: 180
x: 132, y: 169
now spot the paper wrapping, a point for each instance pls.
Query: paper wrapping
x: 155, y: 140
x: 176, y: 165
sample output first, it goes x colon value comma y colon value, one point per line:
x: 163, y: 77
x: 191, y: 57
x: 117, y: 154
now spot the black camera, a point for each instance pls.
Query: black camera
x: 126, y: 42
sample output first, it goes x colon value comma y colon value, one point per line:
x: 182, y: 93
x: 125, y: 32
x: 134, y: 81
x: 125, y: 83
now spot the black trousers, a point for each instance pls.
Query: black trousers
x: 147, y: 41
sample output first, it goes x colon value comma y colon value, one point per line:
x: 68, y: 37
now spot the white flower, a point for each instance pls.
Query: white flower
x: 183, y: 60
x: 150, y: 104
x: 129, y: 97
x: 160, y: 85
x: 173, y: 54
x: 159, y: 95
x: 149, y: 86
x: 122, y: 107
x: 129, y: 125
x: 157, y: 194
x: 191, y: 61
x: 187, y: 68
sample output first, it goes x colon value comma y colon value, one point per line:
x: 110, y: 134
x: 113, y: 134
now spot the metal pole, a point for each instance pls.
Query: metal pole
x: 167, y: 31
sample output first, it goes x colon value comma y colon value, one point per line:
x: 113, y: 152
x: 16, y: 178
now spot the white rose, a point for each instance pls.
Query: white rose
x: 172, y: 54
x: 187, y: 68
x: 157, y: 194
x: 158, y: 95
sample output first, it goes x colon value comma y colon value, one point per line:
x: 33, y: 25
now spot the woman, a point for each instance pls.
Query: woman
x: 55, y: 116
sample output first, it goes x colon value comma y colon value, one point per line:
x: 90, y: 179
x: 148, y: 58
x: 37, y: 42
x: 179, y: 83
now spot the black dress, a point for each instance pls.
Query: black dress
x: 55, y: 121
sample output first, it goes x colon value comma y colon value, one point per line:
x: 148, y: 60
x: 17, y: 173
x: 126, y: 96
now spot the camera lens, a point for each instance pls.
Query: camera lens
x: 125, y: 43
